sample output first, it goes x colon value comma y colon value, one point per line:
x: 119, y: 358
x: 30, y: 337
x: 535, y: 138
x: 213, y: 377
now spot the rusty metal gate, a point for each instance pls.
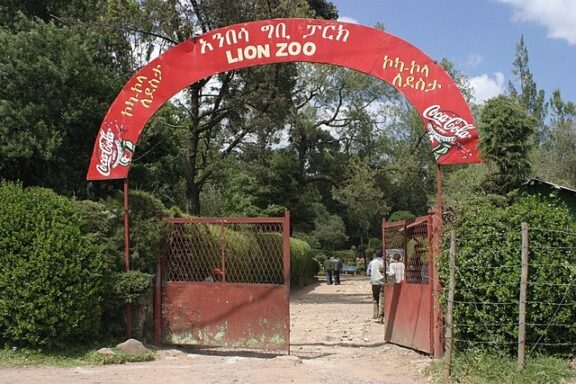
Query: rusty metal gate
x: 411, y: 309
x: 224, y: 282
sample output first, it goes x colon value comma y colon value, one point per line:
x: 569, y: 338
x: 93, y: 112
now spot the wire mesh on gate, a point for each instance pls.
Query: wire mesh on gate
x: 229, y: 252
x: 409, y: 239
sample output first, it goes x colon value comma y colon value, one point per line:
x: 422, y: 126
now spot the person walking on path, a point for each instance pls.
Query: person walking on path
x: 329, y: 269
x: 376, y: 272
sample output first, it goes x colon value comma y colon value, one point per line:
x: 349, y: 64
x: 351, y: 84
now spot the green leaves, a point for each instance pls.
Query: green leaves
x: 50, y: 273
x: 56, y: 85
x: 505, y: 132
x: 488, y: 273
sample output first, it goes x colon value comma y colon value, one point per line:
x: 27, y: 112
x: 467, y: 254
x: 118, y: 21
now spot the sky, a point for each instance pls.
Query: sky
x: 480, y: 36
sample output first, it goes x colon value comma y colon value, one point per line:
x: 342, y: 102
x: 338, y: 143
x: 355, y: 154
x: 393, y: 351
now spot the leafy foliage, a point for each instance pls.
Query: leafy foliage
x: 50, y: 272
x: 52, y: 104
x: 302, y: 265
x: 132, y: 285
x: 486, y: 367
x: 505, y: 129
x: 488, y: 262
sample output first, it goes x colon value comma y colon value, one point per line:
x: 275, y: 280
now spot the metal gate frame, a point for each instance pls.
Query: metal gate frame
x: 230, y: 313
x: 412, y: 311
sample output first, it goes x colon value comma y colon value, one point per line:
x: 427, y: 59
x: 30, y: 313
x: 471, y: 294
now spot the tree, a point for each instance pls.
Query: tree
x: 505, y: 131
x: 329, y: 230
x: 228, y: 109
x: 556, y: 159
x: 49, y: 10
x: 51, y: 104
x: 361, y: 197
x: 526, y: 91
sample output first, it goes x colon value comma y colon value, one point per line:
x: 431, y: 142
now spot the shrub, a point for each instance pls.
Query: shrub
x: 50, y: 273
x: 488, y: 261
x: 302, y: 265
x: 147, y: 231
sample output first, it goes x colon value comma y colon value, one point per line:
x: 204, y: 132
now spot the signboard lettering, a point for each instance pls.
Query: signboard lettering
x: 425, y: 84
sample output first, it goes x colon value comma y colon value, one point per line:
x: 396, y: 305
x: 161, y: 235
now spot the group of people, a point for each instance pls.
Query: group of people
x: 378, y: 276
x: 333, y: 267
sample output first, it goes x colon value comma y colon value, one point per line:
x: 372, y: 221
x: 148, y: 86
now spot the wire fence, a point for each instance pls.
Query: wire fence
x: 514, y: 291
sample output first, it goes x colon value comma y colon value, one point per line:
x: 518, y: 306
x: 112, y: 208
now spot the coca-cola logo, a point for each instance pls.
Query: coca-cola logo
x: 113, y: 149
x: 447, y: 124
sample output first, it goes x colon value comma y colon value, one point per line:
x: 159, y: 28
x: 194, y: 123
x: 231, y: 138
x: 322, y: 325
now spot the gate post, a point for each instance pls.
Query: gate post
x: 158, y: 302
x: 437, y: 318
x: 286, y: 263
x: 286, y: 249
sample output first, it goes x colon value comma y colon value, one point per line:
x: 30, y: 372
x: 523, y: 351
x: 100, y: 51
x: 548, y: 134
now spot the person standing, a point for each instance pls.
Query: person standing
x: 337, y: 269
x: 329, y: 269
x: 396, y: 268
x: 376, y: 272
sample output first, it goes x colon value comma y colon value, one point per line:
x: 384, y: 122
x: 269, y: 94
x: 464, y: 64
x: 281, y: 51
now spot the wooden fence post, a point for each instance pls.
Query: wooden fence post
x: 450, y: 308
x: 522, y: 303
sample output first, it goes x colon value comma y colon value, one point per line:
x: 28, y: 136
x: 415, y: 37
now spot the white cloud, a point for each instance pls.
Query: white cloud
x: 558, y: 16
x: 346, y: 19
x: 474, y: 59
x: 486, y: 87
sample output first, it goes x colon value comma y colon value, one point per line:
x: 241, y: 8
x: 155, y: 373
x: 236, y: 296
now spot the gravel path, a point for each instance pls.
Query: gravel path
x: 333, y: 340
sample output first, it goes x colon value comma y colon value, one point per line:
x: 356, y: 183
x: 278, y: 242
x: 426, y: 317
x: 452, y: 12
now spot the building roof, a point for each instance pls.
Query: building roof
x: 539, y: 181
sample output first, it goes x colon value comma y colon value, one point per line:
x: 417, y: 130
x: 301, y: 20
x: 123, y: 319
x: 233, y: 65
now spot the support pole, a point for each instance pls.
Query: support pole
x: 126, y: 229
x: 522, y: 304
x: 437, y: 321
x: 128, y: 307
x: 223, y: 249
x: 286, y: 261
x: 450, y: 309
x: 158, y: 302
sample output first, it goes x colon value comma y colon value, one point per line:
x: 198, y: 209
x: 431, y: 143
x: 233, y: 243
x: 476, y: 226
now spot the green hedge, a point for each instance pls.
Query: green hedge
x: 303, y: 267
x: 252, y: 256
x: 488, y: 261
x: 50, y: 273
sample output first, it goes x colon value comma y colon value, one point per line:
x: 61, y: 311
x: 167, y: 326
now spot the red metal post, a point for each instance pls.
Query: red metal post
x: 126, y: 229
x: 286, y: 261
x: 223, y: 249
x: 286, y: 248
x: 383, y: 244
x: 158, y: 303
x: 128, y: 308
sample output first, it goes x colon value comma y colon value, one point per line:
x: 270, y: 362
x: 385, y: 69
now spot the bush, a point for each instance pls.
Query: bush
x: 147, y: 231
x: 302, y: 265
x: 50, y: 273
x: 488, y: 262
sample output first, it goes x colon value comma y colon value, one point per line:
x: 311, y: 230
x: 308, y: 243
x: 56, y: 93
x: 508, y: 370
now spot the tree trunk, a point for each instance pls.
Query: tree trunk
x: 193, y: 199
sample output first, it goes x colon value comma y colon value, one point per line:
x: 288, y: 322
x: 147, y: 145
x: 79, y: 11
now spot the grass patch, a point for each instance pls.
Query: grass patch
x: 482, y: 367
x: 71, y: 357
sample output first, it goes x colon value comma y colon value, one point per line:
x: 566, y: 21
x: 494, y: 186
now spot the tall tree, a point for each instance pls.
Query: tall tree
x: 526, y: 91
x: 50, y: 10
x: 57, y: 83
x: 505, y: 132
x: 228, y: 109
x: 361, y: 196
x: 556, y: 159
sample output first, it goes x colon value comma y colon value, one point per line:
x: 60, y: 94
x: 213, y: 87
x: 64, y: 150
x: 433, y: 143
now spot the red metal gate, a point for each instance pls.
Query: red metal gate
x: 224, y: 282
x: 411, y: 308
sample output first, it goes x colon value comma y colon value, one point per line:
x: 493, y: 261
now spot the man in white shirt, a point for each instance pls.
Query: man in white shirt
x: 376, y: 272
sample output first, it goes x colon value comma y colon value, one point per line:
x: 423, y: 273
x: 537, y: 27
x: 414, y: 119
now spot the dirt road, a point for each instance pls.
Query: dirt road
x: 333, y: 340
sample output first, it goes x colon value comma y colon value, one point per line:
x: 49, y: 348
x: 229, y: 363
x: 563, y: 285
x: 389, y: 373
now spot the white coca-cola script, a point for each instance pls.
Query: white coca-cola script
x: 448, y: 123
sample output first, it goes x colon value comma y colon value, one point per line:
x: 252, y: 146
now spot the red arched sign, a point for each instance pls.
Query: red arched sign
x: 425, y: 84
